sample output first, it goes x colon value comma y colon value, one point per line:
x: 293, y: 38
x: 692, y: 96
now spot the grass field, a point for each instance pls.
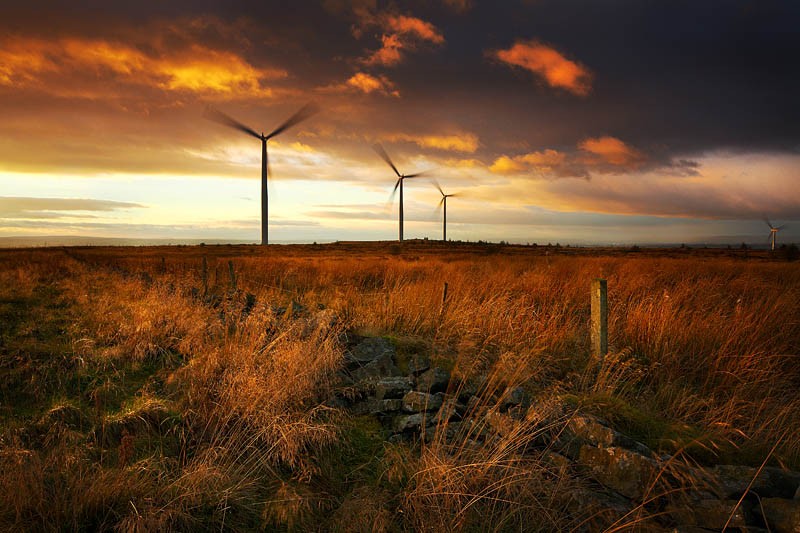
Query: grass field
x: 133, y: 398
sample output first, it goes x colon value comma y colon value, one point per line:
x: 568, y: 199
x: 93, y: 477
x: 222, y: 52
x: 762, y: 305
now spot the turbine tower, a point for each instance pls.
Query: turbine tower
x: 304, y: 113
x: 443, y: 203
x: 773, y: 231
x: 399, y: 183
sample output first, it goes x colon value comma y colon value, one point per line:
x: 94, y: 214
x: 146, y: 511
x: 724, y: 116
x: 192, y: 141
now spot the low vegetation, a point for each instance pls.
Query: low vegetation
x: 136, y: 397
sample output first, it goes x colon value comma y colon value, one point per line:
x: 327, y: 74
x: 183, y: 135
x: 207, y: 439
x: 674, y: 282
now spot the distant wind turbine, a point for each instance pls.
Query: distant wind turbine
x: 399, y: 183
x: 443, y: 203
x: 773, y: 231
x: 304, y: 113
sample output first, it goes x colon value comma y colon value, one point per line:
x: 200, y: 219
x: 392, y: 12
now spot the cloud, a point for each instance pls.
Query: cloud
x: 15, y: 207
x: 549, y: 64
x: 55, y: 65
x: 605, y: 155
x: 544, y: 161
x: 462, y: 142
x: 612, y: 151
x: 401, y: 33
x: 365, y: 83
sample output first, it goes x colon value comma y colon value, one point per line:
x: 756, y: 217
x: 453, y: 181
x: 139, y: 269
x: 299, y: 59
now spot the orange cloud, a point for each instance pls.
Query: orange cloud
x: 464, y: 142
x: 613, y: 151
x: 365, y: 83
x: 550, y: 64
x: 197, y: 69
x: 544, y: 161
x: 401, y: 33
x: 426, y: 31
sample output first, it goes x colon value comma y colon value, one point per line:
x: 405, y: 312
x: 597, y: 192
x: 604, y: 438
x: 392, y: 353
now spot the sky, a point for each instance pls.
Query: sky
x: 571, y: 121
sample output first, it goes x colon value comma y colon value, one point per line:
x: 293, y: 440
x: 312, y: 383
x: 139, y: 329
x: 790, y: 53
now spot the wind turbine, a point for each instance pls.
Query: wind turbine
x: 305, y: 112
x: 399, y: 183
x: 773, y: 231
x: 443, y: 202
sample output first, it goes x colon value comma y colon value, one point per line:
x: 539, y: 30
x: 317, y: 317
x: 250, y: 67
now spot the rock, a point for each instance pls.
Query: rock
x: 781, y: 515
x: 451, y: 410
x: 471, y: 388
x: 515, y: 396
x: 598, y: 510
x: 415, y: 402
x: 730, y: 481
x: 712, y: 514
x: 500, y: 423
x: 585, y: 429
x: 406, y: 423
x: 392, y: 387
x: 392, y: 405
x: 433, y: 380
x: 418, y: 364
x: 622, y: 470
x: 373, y: 406
x: 380, y: 367
x: 371, y: 349
x: 556, y: 459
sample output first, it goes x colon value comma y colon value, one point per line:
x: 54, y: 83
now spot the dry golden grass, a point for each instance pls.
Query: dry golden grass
x: 198, y: 416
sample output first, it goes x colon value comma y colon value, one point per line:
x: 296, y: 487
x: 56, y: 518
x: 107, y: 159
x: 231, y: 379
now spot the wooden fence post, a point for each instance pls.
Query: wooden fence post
x: 599, y: 318
x: 444, y: 298
x: 205, y: 276
x: 233, y: 275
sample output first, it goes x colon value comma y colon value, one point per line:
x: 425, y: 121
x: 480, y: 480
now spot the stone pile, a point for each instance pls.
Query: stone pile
x: 410, y: 403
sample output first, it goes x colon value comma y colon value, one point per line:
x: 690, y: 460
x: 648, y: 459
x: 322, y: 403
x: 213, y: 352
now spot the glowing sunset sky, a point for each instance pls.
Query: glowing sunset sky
x: 560, y: 120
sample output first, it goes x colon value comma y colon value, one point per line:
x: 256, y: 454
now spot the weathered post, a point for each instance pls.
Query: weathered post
x: 444, y: 298
x: 205, y: 276
x: 233, y: 275
x: 599, y: 318
x: 163, y: 265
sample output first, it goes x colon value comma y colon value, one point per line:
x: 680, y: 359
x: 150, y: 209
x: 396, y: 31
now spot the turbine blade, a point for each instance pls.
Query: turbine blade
x: 381, y: 152
x: 768, y: 222
x: 781, y: 226
x: 215, y: 115
x: 305, y: 112
x: 456, y: 194
x: 436, y: 184
x: 394, y: 191
x: 418, y: 174
x: 438, y: 208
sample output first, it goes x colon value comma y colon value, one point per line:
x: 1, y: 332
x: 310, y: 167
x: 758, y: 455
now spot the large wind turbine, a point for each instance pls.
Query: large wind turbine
x: 773, y: 231
x: 218, y: 116
x: 399, y: 183
x: 443, y: 203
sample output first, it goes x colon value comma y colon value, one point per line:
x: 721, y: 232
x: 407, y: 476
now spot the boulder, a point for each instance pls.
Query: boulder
x: 781, y: 515
x: 712, y: 514
x: 418, y: 364
x: 514, y: 396
x: 434, y: 380
x: 370, y: 349
x: 415, y: 402
x: 730, y: 481
x: 500, y: 423
x: 407, y: 423
x: 622, y: 470
x: 586, y: 429
x: 378, y: 368
x: 392, y: 387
